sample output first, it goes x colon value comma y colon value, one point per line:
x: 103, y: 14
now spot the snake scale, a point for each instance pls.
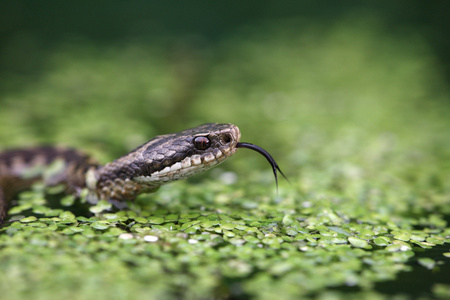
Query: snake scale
x: 161, y: 160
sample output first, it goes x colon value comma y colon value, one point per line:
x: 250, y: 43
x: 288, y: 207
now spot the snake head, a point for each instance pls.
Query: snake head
x: 176, y: 156
x: 191, y: 151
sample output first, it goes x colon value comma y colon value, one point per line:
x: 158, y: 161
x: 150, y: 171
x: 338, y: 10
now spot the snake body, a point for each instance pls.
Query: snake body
x: 161, y: 160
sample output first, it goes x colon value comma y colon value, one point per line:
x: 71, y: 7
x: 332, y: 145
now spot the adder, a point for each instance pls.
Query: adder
x: 161, y: 160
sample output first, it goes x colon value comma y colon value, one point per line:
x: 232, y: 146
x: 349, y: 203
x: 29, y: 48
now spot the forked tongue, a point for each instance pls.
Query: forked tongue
x: 269, y: 158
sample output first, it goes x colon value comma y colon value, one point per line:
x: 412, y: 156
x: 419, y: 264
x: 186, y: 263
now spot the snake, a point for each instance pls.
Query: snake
x: 163, y: 159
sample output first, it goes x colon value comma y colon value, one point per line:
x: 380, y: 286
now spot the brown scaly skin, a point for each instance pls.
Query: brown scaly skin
x: 142, y: 170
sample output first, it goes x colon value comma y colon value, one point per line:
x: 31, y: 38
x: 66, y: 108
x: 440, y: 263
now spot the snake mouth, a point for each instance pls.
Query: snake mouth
x: 269, y: 158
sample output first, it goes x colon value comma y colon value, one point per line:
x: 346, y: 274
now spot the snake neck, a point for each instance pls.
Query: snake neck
x: 110, y: 184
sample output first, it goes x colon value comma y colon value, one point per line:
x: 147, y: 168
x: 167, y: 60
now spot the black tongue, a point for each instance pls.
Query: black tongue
x: 269, y: 158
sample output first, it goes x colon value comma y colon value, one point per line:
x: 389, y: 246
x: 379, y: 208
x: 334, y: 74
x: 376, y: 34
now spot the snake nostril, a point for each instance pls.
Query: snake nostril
x: 201, y: 143
x: 226, y: 138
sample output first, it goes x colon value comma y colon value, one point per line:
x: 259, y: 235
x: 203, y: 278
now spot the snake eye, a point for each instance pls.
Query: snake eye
x: 201, y: 143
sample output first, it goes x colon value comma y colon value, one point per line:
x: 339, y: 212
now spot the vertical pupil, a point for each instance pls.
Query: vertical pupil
x: 201, y: 143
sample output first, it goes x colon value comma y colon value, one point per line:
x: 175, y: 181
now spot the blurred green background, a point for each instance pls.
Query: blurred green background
x: 349, y: 81
x: 108, y: 75
x: 351, y: 98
